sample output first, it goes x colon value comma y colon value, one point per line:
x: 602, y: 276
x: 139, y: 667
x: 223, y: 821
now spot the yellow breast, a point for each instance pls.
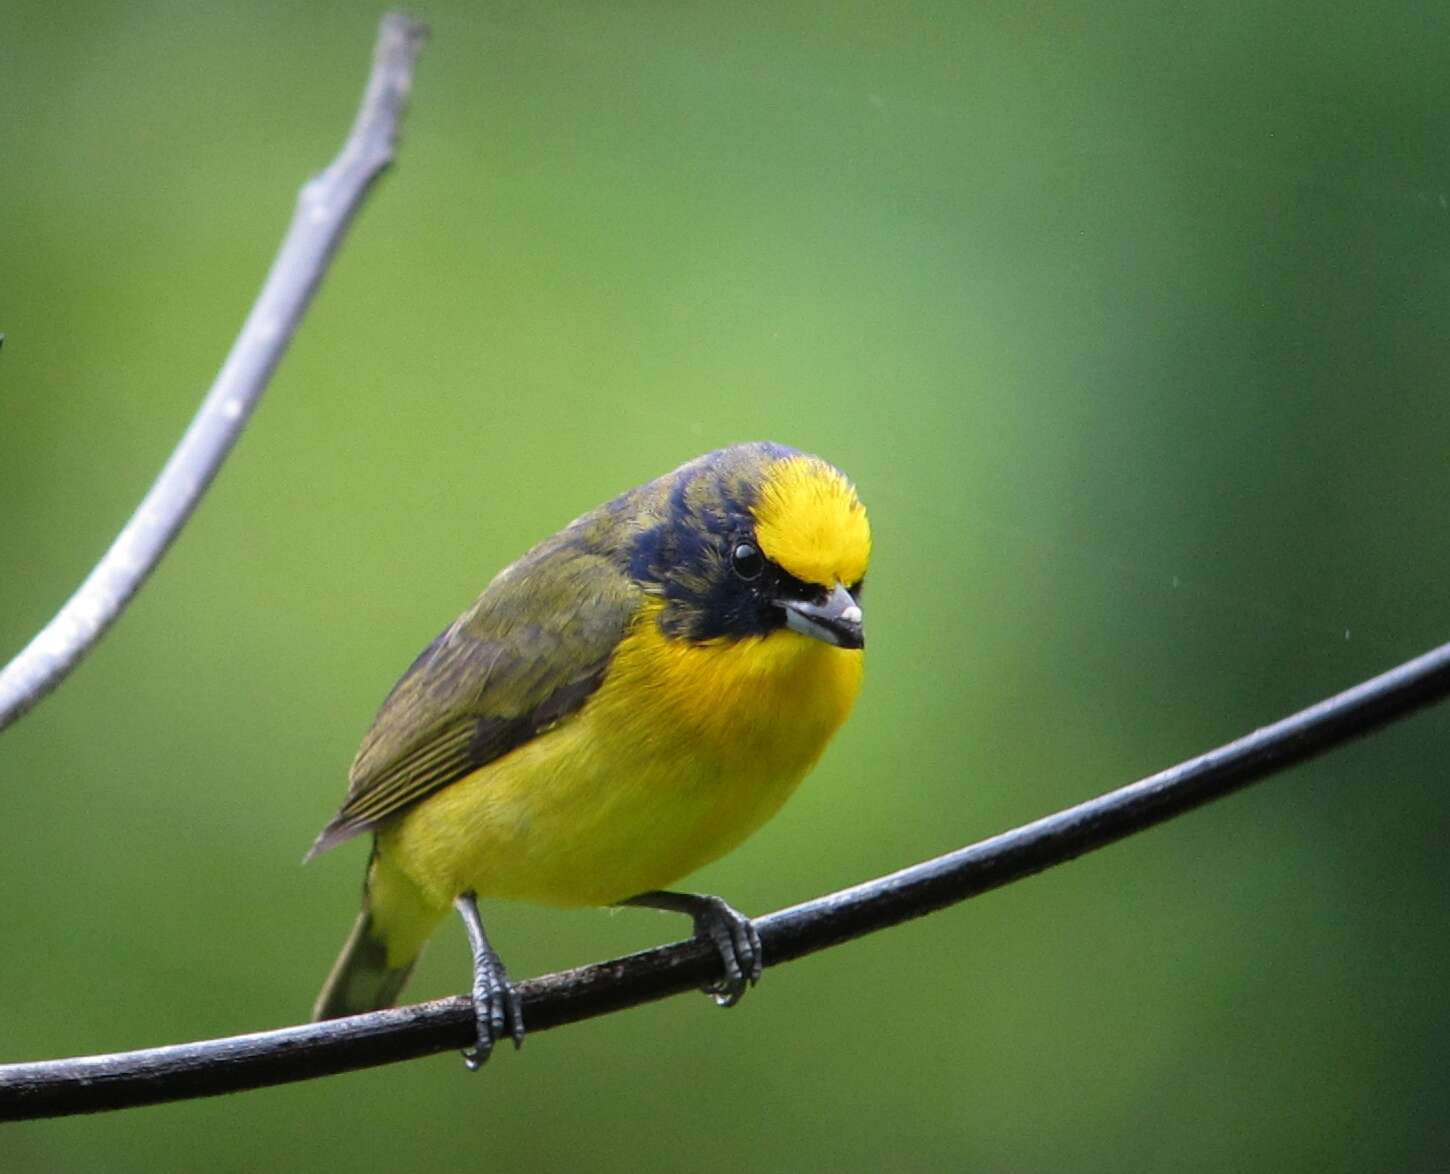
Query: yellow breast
x: 683, y: 752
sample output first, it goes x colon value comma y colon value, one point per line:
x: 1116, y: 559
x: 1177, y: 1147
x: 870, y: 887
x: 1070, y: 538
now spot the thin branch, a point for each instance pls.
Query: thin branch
x: 53, y: 1088
x: 325, y: 208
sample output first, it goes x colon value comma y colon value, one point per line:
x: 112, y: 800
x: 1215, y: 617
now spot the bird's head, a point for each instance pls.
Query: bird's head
x: 754, y: 539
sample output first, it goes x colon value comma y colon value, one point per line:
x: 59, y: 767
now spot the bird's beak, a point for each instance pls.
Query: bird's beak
x: 837, y: 620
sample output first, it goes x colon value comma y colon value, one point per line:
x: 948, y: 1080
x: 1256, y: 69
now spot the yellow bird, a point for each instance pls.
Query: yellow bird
x: 624, y: 704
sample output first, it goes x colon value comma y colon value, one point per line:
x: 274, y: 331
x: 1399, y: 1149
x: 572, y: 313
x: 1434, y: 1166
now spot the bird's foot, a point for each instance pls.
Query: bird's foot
x: 732, y: 933
x: 736, y: 938
x: 498, y: 1011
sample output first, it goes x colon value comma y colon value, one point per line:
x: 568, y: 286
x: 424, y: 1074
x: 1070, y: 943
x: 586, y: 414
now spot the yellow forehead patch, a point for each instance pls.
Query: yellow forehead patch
x: 809, y: 521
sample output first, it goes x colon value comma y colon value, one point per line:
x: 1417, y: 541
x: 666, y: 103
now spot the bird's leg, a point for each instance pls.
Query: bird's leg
x: 732, y: 933
x: 496, y: 1004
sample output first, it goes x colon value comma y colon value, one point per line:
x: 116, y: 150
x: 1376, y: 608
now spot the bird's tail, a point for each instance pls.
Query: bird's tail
x: 361, y: 979
x: 382, y: 949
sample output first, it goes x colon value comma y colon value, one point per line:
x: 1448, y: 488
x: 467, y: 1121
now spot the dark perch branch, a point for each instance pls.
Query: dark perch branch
x: 325, y: 208
x: 53, y: 1088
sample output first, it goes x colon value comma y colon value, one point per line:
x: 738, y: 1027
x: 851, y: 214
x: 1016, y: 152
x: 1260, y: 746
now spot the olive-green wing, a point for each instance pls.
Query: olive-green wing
x: 523, y: 658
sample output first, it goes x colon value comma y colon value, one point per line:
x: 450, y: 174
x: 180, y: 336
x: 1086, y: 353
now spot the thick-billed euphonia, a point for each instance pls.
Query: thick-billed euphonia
x: 625, y: 703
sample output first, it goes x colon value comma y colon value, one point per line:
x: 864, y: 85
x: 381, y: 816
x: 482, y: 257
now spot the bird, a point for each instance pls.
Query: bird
x: 622, y: 705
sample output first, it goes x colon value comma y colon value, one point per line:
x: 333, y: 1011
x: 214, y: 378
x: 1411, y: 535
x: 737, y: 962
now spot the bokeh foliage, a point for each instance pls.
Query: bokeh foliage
x: 1128, y: 319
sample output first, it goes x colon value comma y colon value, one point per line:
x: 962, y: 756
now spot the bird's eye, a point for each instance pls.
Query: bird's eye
x: 747, y: 561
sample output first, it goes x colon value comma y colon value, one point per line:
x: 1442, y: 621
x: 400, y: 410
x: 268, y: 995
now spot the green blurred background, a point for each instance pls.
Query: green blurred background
x: 1130, y: 322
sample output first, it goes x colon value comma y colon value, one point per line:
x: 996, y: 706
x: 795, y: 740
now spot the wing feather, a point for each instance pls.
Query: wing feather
x: 527, y: 655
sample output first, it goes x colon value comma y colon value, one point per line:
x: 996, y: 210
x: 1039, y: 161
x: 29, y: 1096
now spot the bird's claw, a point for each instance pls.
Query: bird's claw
x: 498, y: 1011
x: 733, y: 935
x: 736, y: 938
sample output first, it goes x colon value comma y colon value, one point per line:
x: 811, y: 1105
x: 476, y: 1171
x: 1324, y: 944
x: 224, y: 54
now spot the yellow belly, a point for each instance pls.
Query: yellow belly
x: 682, y: 752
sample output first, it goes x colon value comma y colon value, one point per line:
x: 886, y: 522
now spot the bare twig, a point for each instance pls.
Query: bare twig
x: 325, y: 208
x: 54, y: 1088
